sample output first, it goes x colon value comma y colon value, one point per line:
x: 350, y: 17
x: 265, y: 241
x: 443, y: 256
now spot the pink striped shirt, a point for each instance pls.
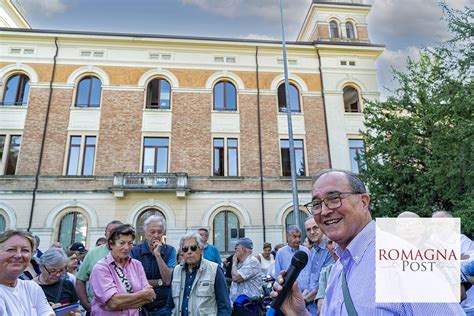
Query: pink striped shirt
x: 106, y: 283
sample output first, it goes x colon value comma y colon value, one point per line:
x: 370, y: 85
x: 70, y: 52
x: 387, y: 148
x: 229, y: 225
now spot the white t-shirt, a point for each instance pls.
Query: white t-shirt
x: 26, y: 298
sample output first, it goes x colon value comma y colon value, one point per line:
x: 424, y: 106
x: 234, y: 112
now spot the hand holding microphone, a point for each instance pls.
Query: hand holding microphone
x: 287, y: 295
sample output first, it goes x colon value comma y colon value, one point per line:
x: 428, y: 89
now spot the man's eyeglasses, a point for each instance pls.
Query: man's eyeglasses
x: 55, y: 271
x: 193, y: 248
x: 332, y: 202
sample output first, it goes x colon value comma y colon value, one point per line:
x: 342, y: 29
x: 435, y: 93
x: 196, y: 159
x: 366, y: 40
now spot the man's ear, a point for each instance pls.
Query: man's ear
x: 365, y: 200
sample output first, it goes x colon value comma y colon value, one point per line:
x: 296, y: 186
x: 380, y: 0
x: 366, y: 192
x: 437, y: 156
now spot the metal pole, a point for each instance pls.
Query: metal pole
x: 294, y: 187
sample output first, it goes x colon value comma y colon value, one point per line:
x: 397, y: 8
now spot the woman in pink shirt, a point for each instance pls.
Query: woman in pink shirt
x: 119, y: 282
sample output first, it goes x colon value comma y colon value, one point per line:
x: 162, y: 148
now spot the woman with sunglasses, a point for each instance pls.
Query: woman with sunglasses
x: 58, y: 289
x: 119, y: 282
x: 19, y: 297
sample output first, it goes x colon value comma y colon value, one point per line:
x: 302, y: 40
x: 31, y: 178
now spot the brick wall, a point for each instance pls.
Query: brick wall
x: 316, y: 140
x: 362, y: 33
x: 190, y: 145
x: 119, y: 141
x: 32, y: 134
x: 56, y: 133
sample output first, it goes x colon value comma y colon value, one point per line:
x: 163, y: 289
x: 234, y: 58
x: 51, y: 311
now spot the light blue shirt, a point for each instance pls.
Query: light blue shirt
x: 283, y: 262
x: 318, y: 259
x: 212, y: 254
x: 358, y: 260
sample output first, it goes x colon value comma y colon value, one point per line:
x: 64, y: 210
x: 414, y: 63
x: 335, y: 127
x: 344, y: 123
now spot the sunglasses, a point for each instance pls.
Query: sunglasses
x: 193, y: 248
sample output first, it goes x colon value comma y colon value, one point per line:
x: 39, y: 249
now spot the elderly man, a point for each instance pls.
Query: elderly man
x: 285, y: 254
x: 198, y: 285
x: 92, y: 257
x: 211, y: 253
x: 158, y: 260
x: 246, y: 271
x: 340, y: 206
x: 318, y: 259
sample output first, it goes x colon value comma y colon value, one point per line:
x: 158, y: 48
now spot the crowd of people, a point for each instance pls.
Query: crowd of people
x: 119, y: 277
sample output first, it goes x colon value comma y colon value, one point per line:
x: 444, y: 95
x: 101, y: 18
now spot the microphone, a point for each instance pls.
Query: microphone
x: 298, y: 262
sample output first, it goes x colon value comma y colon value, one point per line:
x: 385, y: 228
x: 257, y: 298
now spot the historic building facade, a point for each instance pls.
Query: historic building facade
x: 101, y: 126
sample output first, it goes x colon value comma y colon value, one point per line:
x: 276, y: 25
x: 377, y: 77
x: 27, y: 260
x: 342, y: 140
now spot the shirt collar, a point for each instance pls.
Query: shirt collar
x: 109, y: 259
x: 322, y: 245
x: 357, y: 247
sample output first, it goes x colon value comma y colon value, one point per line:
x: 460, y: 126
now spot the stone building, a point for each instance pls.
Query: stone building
x: 99, y: 126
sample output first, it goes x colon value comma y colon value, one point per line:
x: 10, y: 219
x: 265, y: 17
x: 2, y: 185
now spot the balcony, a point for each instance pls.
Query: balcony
x: 150, y: 182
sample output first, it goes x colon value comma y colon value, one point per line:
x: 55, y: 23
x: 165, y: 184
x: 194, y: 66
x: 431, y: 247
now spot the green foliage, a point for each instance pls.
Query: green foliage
x: 420, y: 141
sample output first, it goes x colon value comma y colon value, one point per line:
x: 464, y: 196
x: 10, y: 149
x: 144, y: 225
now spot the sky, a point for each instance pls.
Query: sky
x: 403, y: 26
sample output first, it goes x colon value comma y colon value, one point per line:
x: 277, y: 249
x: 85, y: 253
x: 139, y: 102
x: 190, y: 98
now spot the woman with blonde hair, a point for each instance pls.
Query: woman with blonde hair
x: 19, y: 297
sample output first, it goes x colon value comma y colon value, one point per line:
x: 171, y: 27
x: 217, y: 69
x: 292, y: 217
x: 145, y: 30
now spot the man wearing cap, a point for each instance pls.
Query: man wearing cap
x: 80, y: 251
x: 246, y: 271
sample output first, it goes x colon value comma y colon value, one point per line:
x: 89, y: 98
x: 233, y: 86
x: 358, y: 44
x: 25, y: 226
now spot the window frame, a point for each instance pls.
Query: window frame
x: 6, y: 153
x: 359, y: 150
x: 22, y: 89
x: 280, y: 88
x: 83, y: 146
x: 89, y: 93
x: 349, y: 109
x: 156, y: 148
x: 148, y: 104
x: 75, y: 213
x: 302, y: 149
x: 224, y: 155
x: 336, y: 29
x: 303, y: 216
x: 227, y: 245
x: 352, y: 29
x: 225, y: 108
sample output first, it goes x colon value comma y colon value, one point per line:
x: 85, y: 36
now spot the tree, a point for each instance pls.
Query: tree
x: 420, y: 141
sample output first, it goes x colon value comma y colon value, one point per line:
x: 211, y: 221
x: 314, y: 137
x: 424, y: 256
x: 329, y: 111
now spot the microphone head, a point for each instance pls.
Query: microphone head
x: 300, y: 259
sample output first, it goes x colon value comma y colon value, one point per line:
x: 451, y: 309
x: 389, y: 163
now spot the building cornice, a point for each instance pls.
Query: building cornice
x: 87, y: 35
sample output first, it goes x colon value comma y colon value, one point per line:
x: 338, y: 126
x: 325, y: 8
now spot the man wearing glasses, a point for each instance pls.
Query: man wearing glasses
x: 198, y: 285
x: 340, y: 206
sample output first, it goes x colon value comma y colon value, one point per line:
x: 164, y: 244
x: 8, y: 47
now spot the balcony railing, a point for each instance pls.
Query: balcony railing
x: 151, y: 182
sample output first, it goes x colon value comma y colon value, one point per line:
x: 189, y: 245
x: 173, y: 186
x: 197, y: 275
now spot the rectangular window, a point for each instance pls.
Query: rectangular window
x: 356, y: 151
x: 81, y: 156
x: 155, y: 155
x: 12, y: 156
x: 218, y: 157
x: 89, y: 154
x: 232, y: 157
x: 226, y: 157
x: 2, y: 145
x: 285, y: 157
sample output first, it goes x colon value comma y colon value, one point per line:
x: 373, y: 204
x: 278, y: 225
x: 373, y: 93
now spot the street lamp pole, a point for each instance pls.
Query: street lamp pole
x: 294, y: 187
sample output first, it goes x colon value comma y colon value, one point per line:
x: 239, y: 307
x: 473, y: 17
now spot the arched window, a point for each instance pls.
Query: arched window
x: 350, y: 30
x: 351, y: 99
x: 225, y: 96
x: 139, y: 232
x: 333, y: 29
x: 3, y: 223
x: 158, y: 94
x: 294, y: 98
x: 16, y: 91
x: 88, y: 92
x: 226, y: 229
x: 302, y: 217
x: 72, y: 228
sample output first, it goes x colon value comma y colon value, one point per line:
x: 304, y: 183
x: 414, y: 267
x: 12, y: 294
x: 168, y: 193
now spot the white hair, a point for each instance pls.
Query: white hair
x: 155, y: 218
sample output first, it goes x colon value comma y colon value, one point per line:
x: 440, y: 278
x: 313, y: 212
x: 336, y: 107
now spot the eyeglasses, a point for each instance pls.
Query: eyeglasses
x: 193, y: 248
x: 55, y: 271
x: 332, y: 202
